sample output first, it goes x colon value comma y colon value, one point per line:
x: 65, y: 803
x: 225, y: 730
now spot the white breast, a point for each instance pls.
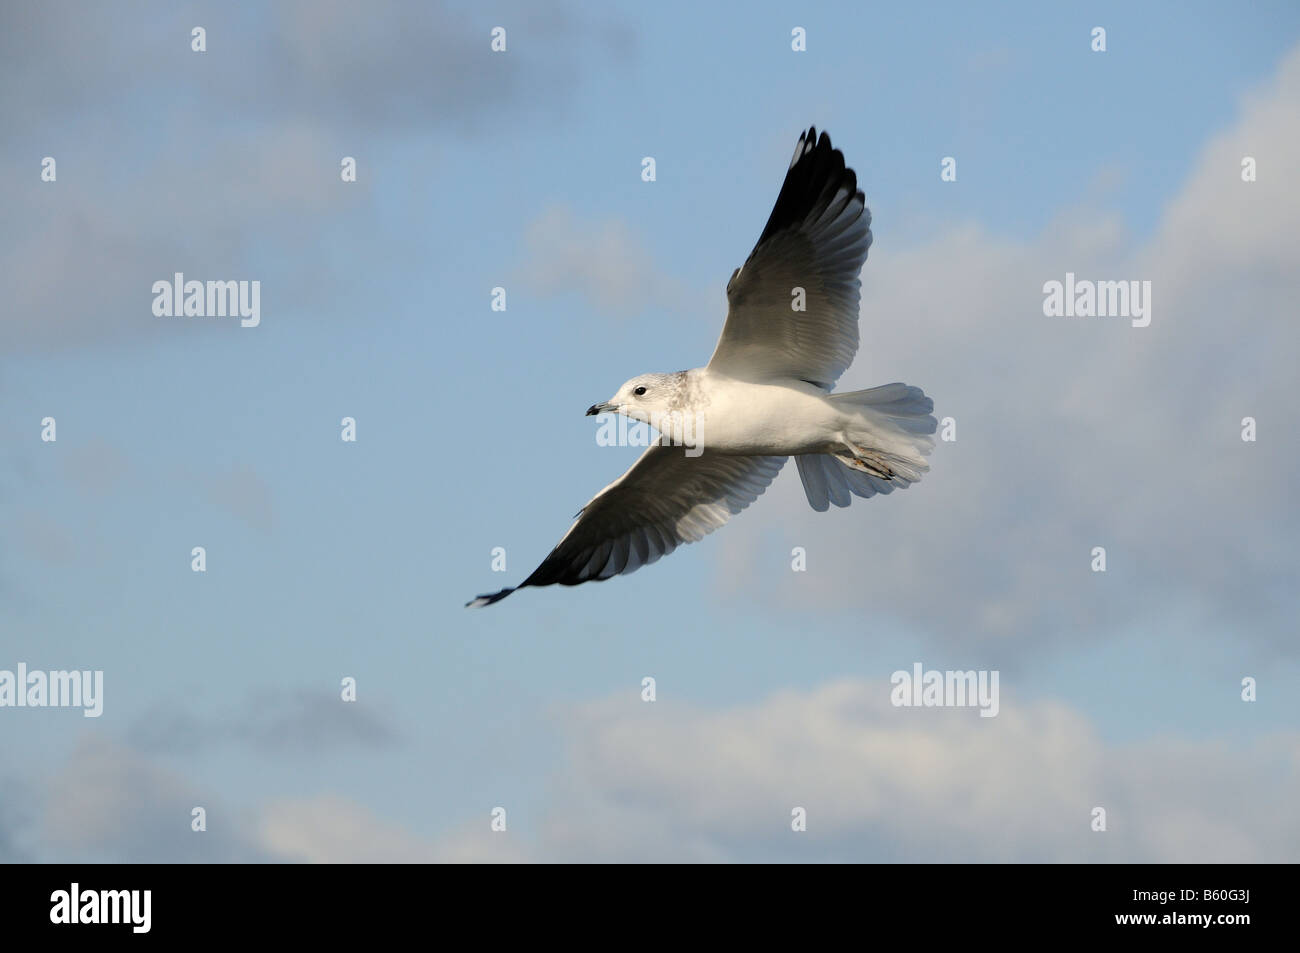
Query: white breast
x: 768, y: 419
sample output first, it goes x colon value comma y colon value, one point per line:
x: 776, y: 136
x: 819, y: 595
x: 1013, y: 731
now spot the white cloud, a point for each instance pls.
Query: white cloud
x: 333, y: 830
x: 656, y: 782
x: 672, y: 782
x: 603, y: 262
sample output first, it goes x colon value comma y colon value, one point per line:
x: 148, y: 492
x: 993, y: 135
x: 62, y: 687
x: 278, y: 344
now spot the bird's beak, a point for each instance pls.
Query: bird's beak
x: 605, y: 408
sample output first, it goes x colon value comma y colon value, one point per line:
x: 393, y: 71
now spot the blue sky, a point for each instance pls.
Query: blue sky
x: 476, y: 170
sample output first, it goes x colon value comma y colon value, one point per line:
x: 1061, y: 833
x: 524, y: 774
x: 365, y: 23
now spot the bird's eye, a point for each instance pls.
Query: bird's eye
x: 639, y: 392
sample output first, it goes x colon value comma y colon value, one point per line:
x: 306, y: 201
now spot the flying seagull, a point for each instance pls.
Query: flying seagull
x: 765, y: 395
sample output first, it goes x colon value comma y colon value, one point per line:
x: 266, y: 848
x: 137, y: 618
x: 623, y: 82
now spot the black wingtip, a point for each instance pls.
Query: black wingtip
x: 819, y: 142
x: 816, y: 174
x: 487, y: 600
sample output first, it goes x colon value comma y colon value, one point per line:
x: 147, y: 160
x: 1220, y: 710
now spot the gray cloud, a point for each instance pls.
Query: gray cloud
x: 17, y: 827
x: 39, y: 535
x: 170, y: 160
x: 245, y: 495
x: 109, y: 803
x: 96, y: 468
x: 302, y: 722
x: 387, y: 65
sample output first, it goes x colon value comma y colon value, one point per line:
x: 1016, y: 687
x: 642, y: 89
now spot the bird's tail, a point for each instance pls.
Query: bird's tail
x: 888, y: 438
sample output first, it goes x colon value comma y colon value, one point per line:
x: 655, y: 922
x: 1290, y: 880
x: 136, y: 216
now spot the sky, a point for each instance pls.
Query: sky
x: 521, y: 169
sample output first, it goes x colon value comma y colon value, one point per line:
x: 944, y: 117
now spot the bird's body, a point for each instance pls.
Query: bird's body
x: 765, y: 395
x: 727, y: 415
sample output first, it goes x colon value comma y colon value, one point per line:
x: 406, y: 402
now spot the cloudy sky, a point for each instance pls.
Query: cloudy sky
x: 329, y: 560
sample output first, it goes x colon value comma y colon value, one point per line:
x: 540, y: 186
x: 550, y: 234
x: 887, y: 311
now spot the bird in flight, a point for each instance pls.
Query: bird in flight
x: 765, y: 395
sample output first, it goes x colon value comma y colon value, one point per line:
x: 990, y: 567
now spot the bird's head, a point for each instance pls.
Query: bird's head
x: 646, y: 398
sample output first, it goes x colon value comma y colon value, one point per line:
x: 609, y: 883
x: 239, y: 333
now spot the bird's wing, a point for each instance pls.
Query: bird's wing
x: 816, y: 239
x: 665, y: 499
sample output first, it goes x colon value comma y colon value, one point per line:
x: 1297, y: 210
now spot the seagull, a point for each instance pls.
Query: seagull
x: 765, y: 395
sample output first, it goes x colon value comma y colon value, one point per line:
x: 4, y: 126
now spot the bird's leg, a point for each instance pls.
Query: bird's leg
x: 867, y: 460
